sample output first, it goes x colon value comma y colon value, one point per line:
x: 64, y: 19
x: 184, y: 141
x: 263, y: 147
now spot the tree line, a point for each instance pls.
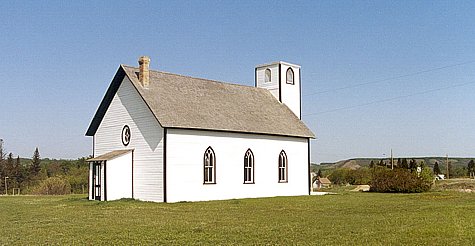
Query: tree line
x: 457, y: 172
x: 402, y: 167
x: 41, y: 176
x: 402, y: 177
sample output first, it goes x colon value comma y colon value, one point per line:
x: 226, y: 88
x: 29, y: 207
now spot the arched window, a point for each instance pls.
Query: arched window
x: 268, y: 75
x: 283, y: 165
x: 249, y: 167
x: 209, y: 164
x: 290, y: 76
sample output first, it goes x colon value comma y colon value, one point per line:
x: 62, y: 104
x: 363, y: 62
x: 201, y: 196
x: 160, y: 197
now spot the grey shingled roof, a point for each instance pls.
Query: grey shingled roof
x: 110, y: 155
x: 325, y: 181
x: 179, y: 101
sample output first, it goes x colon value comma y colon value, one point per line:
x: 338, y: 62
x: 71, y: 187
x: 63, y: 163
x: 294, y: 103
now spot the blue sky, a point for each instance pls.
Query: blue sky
x: 416, y: 60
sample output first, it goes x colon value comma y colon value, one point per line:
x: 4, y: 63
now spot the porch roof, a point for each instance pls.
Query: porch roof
x: 110, y: 155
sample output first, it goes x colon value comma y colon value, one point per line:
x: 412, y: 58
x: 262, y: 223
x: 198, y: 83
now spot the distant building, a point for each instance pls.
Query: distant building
x: 313, y: 175
x: 165, y: 137
x: 322, y: 183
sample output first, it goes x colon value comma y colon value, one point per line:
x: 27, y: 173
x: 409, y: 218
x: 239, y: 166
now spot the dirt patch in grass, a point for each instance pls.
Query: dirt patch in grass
x: 461, y: 185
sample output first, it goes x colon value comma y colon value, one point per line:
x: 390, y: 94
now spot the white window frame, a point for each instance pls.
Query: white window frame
x: 283, y: 174
x: 268, y: 75
x: 209, y: 166
x: 287, y: 77
x: 249, y: 167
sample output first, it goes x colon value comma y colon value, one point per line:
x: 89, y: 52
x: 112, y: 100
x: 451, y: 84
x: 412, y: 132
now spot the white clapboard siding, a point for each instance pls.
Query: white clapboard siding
x: 119, y: 177
x: 273, y: 85
x: 128, y: 108
x: 290, y: 94
x: 90, y: 181
x: 185, y: 152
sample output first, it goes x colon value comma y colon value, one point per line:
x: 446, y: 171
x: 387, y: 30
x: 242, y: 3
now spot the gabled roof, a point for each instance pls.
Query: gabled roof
x: 179, y: 101
x: 324, y: 181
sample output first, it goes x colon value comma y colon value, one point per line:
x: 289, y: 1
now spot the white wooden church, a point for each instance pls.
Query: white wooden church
x: 164, y: 137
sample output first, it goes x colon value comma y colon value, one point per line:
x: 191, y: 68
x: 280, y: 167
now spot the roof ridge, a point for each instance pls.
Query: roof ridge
x: 172, y: 108
x: 187, y: 76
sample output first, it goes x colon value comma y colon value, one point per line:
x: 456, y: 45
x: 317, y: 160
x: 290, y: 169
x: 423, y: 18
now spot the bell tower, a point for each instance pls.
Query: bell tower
x: 282, y: 79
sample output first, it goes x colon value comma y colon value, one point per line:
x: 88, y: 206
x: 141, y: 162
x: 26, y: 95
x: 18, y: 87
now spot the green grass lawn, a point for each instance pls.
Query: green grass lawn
x: 352, y: 218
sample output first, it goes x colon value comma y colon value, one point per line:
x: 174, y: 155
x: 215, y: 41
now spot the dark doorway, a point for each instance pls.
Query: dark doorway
x: 96, y: 180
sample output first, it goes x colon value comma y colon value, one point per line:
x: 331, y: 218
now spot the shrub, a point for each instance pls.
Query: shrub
x: 348, y: 176
x: 400, y: 180
x: 339, y: 176
x: 53, y: 186
x: 361, y: 176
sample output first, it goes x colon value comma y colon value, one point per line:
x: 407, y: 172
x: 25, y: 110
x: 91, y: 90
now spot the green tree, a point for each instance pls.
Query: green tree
x: 371, y: 164
x: 448, y: 175
x: 360, y: 176
x: 458, y: 172
x: 78, y: 178
x: 19, y: 172
x: 319, y: 173
x: 2, y: 151
x: 436, y: 168
x: 65, y: 167
x: 400, y: 180
x: 422, y: 164
x: 2, y: 164
x: 404, y: 164
x: 35, y: 167
x: 471, y: 169
x: 339, y: 176
x: 8, y: 170
x: 413, y: 165
x: 13, y: 170
x: 9, y: 166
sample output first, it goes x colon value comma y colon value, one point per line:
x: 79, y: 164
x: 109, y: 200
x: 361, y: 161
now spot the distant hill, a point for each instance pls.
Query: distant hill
x: 356, y: 163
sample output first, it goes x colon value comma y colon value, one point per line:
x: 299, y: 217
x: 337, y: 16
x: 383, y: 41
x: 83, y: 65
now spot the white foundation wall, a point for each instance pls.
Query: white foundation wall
x: 185, y: 152
x: 119, y: 177
x: 128, y: 108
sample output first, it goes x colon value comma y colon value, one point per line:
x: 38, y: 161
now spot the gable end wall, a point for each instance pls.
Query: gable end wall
x: 128, y: 108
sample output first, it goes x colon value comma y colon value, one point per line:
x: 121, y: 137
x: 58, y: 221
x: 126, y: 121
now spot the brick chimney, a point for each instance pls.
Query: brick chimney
x: 144, y: 72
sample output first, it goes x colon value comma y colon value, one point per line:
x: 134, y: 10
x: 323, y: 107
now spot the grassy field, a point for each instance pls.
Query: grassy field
x: 351, y: 218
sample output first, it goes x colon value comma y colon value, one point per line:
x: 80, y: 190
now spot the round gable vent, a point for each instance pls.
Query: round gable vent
x: 126, y: 135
